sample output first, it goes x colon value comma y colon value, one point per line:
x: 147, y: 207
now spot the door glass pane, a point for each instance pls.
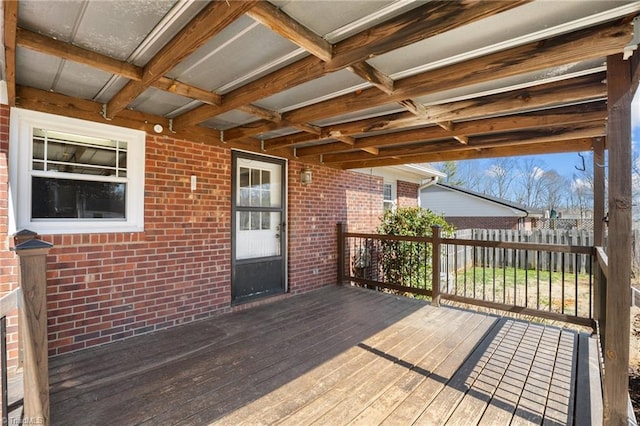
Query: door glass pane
x: 259, y: 184
x: 260, y: 237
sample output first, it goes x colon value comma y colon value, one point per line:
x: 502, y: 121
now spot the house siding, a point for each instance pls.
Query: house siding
x: 110, y: 286
x: 407, y: 194
x: 484, y: 222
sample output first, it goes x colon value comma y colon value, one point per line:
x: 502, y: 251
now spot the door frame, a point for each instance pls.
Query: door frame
x: 284, y: 239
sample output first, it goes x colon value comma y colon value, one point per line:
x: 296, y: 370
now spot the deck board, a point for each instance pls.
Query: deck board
x: 338, y: 355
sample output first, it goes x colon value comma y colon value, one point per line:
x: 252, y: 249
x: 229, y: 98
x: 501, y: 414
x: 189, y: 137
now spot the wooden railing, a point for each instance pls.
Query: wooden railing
x: 547, y: 281
x: 8, y: 303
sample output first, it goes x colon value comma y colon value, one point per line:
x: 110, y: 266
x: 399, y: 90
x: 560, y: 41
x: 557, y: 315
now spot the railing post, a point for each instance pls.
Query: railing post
x: 33, y: 316
x: 342, y: 229
x: 435, y: 265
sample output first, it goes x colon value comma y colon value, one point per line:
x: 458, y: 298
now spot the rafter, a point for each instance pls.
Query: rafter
x: 552, y: 147
x: 373, y: 76
x: 10, y: 26
x: 417, y: 24
x: 278, y: 21
x: 213, y: 19
x: 556, y: 133
x: 410, y: 27
x: 531, y: 120
x: 560, y: 50
x: 50, y: 46
x: 542, y: 97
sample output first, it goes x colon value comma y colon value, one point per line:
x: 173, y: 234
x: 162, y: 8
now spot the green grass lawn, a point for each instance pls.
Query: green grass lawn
x: 550, y: 291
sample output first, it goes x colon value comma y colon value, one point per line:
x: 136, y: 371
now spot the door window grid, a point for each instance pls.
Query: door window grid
x: 255, y: 191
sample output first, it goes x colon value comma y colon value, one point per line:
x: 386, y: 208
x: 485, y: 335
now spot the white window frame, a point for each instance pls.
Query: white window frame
x: 393, y: 201
x: 20, y: 172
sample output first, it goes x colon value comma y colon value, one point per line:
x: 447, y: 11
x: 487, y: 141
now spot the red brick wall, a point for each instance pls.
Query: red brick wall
x: 315, y: 209
x: 407, y: 194
x: 8, y: 259
x: 483, y: 222
x: 105, y: 287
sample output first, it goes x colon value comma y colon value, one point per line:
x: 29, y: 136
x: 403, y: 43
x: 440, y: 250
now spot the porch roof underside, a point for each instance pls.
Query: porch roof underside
x: 323, y: 358
x: 341, y: 83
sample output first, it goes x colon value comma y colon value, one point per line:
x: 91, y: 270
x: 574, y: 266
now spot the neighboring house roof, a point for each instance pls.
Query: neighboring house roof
x: 459, y: 202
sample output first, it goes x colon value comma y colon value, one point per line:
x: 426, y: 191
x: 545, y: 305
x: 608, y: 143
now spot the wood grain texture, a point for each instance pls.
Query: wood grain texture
x: 310, y: 68
x: 10, y: 12
x: 278, y: 21
x: 572, y: 145
x: 33, y: 316
x: 616, y: 350
x: 580, y: 45
x: 209, y: 22
x: 323, y: 357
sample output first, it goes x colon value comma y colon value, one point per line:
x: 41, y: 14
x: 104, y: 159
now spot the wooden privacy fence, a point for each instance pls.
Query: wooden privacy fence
x: 505, y: 275
x: 553, y: 262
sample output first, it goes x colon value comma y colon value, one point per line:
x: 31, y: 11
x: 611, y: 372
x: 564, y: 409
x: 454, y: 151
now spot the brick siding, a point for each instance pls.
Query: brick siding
x: 109, y: 286
x: 407, y: 194
x: 8, y: 259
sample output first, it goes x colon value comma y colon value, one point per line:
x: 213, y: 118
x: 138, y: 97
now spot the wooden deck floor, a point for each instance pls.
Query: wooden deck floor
x: 335, y: 356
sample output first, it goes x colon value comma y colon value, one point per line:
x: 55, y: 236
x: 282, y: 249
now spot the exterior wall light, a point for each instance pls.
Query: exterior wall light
x: 306, y: 176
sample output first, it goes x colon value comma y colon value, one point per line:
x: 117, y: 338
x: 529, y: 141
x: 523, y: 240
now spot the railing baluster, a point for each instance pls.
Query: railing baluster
x: 526, y: 278
x: 399, y: 263
x: 5, y: 386
x: 538, y: 279
x: 575, y: 274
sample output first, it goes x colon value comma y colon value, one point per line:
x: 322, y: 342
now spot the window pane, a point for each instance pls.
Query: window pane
x: 266, y: 220
x: 255, y: 197
x: 244, y: 177
x: 255, y: 178
x: 387, y: 190
x: 66, y: 198
x: 255, y: 220
x: 245, y: 219
x: 266, y: 199
x: 245, y: 194
x: 266, y: 179
x: 79, y: 154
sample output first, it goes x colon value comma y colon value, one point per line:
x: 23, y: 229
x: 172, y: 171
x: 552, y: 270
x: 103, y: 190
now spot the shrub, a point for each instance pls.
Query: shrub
x: 409, y: 263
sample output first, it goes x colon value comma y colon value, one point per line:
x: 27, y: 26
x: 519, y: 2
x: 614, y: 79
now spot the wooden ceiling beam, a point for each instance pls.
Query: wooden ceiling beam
x: 568, y: 48
x: 411, y: 27
x: 278, y: 21
x: 536, y: 119
x: 555, y: 133
x: 552, y: 147
x: 373, y: 76
x: 417, y: 24
x: 50, y: 46
x: 263, y: 113
x: 53, y: 103
x: 541, y: 97
x: 209, y: 22
x: 10, y: 27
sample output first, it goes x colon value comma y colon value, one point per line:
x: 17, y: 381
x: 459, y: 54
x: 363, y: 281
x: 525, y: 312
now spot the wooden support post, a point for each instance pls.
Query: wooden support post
x: 435, y: 265
x: 599, y: 289
x: 342, y: 229
x: 618, y: 311
x: 33, y: 316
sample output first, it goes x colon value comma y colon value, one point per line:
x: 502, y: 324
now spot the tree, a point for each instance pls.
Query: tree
x: 500, y: 177
x: 555, y: 190
x: 451, y: 170
x: 530, y: 182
